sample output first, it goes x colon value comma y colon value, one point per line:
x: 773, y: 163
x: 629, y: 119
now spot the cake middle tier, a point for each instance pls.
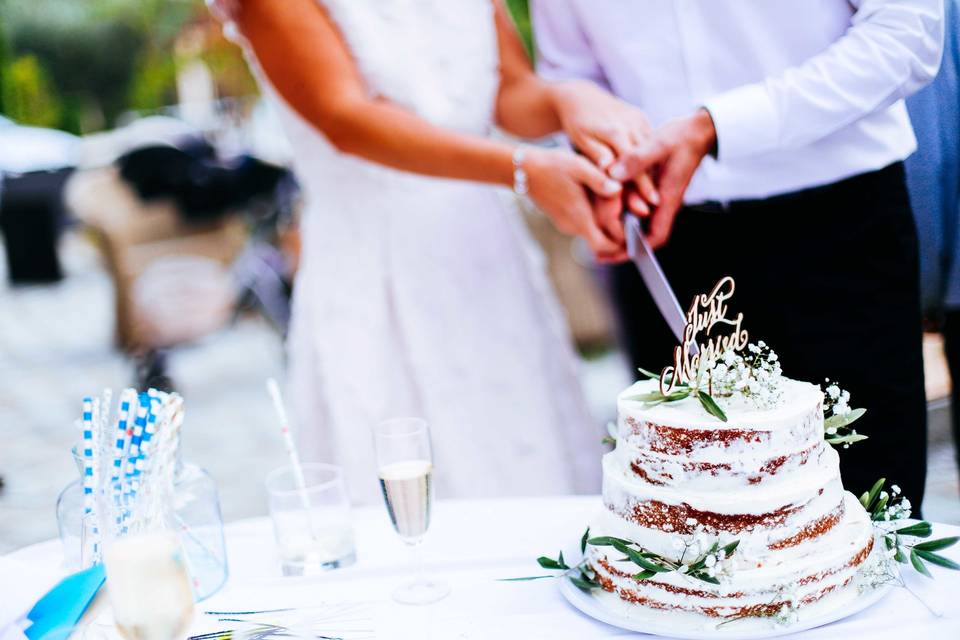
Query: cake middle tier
x: 765, y: 516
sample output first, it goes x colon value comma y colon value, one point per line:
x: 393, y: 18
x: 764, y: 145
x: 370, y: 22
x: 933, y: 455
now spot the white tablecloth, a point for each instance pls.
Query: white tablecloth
x: 472, y: 544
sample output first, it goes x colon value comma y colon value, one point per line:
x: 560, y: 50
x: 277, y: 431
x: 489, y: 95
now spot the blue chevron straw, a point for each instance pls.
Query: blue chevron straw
x: 130, y: 482
x: 123, y: 433
x: 149, y: 429
x: 90, y: 470
x: 87, y: 455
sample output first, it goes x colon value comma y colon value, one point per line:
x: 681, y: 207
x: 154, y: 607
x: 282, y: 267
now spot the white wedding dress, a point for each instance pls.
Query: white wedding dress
x: 427, y: 297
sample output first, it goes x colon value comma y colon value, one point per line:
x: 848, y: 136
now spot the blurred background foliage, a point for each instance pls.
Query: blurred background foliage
x: 84, y: 65
x: 521, y: 17
x: 80, y: 65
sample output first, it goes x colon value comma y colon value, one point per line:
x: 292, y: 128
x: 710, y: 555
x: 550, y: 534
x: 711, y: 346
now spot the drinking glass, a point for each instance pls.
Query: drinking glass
x: 405, y: 468
x: 148, y: 585
x: 70, y: 524
x: 311, y: 518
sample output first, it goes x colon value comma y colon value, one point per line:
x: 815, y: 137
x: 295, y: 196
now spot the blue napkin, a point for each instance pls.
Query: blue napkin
x: 57, y: 613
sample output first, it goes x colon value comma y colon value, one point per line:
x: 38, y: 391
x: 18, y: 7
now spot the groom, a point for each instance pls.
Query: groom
x: 779, y: 161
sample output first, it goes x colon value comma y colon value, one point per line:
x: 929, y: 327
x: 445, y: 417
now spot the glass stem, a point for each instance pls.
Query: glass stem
x: 417, y: 557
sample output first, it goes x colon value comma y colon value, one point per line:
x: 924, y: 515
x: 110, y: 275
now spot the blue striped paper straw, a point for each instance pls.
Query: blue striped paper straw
x: 131, y: 487
x: 87, y: 450
x: 90, y: 471
x: 154, y: 406
x: 127, y: 398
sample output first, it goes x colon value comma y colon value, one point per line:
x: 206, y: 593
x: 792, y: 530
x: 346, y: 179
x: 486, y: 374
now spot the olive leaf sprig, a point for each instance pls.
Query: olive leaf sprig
x: 581, y: 574
x: 681, y: 391
x: 650, y: 564
x: 653, y: 563
x: 885, y: 508
x: 838, y: 416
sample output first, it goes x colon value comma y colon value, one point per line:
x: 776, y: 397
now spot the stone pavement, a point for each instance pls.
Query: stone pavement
x: 56, y: 346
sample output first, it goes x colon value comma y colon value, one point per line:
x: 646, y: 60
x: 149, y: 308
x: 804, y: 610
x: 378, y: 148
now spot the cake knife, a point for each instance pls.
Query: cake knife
x: 657, y: 284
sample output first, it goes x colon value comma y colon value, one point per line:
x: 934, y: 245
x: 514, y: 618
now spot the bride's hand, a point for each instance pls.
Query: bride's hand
x: 604, y: 128
x: 561, y: 184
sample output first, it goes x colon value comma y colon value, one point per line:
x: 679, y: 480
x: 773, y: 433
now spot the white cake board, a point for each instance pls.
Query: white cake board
x: 609, y: 608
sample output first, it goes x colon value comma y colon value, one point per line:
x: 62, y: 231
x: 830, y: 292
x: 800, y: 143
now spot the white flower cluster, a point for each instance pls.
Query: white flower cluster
x: 716, y: 565
x: 878, y: 572
x: 836, y: 401
x: 897, y: 507
x: 756, y: 376
x: 787, y: 615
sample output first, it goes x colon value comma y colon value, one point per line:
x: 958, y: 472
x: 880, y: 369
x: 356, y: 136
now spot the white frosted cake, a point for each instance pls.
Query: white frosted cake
x: 681, y: 481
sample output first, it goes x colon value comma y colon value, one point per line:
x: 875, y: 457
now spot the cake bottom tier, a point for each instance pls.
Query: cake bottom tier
x: 754, y: 587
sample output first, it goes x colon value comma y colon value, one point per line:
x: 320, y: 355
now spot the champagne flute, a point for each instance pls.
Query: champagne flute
x: 149, y: 588
x: 405, y: 468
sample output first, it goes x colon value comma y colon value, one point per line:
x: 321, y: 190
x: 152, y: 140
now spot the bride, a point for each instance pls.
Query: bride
x: 419, y: 290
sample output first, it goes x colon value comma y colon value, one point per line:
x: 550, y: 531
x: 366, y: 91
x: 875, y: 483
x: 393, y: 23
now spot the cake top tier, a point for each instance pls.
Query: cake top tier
x: 797, y: 401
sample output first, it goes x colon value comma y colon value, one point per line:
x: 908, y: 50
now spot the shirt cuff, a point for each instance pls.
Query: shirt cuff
x: 745, y: 121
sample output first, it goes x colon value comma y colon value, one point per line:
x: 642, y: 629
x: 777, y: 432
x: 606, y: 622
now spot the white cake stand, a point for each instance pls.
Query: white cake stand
x: 609, y: 608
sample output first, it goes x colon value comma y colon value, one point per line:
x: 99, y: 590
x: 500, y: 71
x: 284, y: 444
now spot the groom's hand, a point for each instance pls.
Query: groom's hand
x: 672, y: 155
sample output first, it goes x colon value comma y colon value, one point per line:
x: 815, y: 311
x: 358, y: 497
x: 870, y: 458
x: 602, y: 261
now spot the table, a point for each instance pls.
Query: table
x: 472, y: 543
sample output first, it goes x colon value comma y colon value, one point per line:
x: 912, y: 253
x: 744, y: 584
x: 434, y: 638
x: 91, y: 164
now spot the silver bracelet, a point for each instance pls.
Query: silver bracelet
x: 519, y: 174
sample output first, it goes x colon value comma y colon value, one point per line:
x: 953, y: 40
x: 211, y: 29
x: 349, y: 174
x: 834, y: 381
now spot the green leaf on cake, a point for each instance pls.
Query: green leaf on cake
x: 524, y: 578
x: 730, y: 548
x: 583, y: 540
x: 881, y: 505
x: 869, y: 497
x: 838, y: 422
x: 849, y: 438
x: 649, y: 374
x: 918, y: 564
x: 937, y: 559
x: 606, y: 541
x: 583, y: 582
x: 651, y: 396
x: 637, y: 558
x: 655, y: 397
x: 550, y: 563
x: 920, y: 529
x: 643, y: 575
x: 936, y: 545
x: 711, y: 406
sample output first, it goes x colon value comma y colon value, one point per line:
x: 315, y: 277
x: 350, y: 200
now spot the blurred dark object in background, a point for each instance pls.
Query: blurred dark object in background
x: 31, y: 219
x: 202, y: 185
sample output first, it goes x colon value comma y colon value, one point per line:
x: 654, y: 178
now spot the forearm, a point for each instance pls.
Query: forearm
x: 527, y: 107
x: 303, y: 55
x: 382, y: 132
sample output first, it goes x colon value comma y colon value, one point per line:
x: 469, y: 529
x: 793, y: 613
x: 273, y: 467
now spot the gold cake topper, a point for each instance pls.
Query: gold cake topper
x: 706, y: 312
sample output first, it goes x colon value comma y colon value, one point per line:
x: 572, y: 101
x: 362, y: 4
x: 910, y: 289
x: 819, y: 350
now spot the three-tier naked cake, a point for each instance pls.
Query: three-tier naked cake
x: 682, y: 481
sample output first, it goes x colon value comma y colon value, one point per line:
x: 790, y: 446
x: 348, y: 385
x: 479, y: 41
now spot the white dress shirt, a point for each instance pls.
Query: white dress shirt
x: 801, y: 93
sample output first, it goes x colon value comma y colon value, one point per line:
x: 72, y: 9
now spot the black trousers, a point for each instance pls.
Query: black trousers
x: 828, y: 277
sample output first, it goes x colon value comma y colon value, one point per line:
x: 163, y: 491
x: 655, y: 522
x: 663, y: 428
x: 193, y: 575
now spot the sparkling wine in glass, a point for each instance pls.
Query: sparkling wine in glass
x: 149, y: 588
x: 405, y: 468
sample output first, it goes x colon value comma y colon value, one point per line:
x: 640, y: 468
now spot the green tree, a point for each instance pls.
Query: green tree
x: 520, y: 11
x: 28, y: 96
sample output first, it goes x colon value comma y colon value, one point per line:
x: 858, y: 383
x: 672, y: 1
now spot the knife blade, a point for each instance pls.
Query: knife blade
x: 656, y: 280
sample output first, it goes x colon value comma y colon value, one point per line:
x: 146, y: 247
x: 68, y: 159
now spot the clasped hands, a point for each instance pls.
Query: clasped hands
x: 635, y: 168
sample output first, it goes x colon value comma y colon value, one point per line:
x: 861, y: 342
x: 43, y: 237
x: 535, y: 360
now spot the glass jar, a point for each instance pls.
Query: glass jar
x: 194, y: 515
